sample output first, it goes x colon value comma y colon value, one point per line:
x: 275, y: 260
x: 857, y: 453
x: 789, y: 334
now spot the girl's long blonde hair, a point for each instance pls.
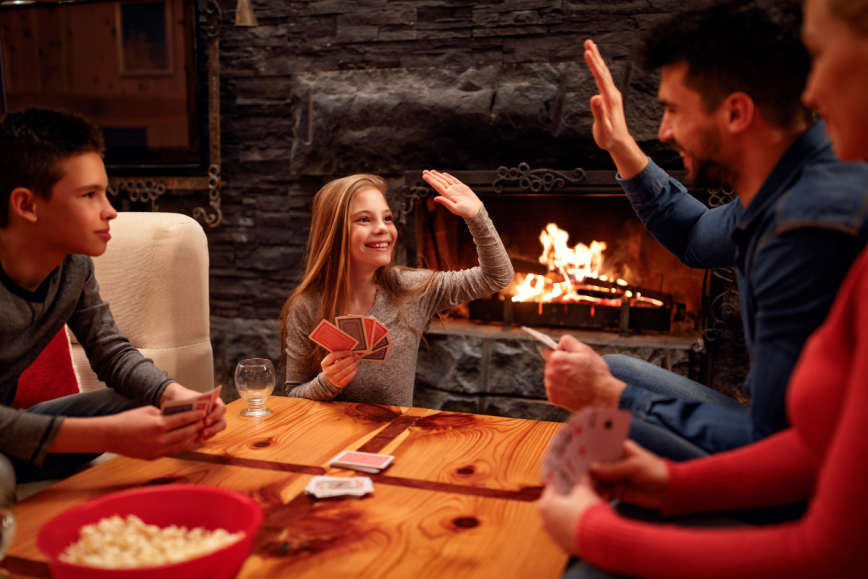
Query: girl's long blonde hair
x: 327, y: 260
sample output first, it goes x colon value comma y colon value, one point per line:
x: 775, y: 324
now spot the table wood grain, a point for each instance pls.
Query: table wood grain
x: 458, y: 501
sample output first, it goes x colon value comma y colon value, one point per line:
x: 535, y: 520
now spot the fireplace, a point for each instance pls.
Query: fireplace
x: 641, y: 301
x: 582, y: 257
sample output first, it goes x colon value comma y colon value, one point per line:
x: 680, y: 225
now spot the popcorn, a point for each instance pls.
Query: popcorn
x: 115, y: 543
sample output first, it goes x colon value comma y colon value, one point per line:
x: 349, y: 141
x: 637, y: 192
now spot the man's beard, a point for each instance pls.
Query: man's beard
x: 708, y: 172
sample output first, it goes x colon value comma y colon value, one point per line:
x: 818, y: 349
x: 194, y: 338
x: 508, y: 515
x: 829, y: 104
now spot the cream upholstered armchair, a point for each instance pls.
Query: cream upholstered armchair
x: 154, y: 275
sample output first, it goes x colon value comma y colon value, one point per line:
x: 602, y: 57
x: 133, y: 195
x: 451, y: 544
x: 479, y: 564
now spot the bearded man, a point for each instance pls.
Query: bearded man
x: 732, y: 73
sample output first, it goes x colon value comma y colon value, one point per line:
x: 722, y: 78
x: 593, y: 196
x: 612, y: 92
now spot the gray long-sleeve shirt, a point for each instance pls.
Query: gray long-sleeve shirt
x: 391, y: 382
x: 28, y: 322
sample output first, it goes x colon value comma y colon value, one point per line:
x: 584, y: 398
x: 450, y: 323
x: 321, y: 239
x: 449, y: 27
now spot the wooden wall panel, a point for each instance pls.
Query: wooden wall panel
x: 68, y: 56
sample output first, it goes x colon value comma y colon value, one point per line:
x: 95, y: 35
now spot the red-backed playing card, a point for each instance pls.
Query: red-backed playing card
x: 370, y: 325
x: 384, y: 341
x: 380, y: 355
x: 331, y: 338
x: 363, y: 461
x: 354, y: 327
x: 379, y: 332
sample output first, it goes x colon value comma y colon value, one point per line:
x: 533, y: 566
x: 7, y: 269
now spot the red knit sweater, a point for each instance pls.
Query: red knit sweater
x: 823, y: 456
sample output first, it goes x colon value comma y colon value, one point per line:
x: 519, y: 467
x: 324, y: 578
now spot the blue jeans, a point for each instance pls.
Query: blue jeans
x: 671, y: 444
x: 654, y: 435
x: 104, y: 402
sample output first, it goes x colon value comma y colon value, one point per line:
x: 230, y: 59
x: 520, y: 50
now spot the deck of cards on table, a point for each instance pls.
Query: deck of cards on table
x: 323, y: 487
x: 592, y: 435
x: 204, y: 401
x: 362, y: 461
x: 360, y: 334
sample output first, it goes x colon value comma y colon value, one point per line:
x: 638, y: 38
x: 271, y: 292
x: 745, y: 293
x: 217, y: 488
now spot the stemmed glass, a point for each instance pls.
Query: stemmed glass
x: 7, y: 529
x: 254, y: 379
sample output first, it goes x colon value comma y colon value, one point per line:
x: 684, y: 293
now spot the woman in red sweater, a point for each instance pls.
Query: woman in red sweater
x: 822, y: 457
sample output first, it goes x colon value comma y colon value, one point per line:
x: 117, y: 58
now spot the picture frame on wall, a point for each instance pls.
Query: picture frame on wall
x: 144, y: 36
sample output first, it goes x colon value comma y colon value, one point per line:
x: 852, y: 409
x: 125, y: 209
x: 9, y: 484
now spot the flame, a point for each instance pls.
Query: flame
x: 579, y: 262
x: 578, y: 265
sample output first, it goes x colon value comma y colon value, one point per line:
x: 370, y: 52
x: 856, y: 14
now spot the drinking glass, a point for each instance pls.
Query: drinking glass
x: 254, y: 379
x: 7, y: 531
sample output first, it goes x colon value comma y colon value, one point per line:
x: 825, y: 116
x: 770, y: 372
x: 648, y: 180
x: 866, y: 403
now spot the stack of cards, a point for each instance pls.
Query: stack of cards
x: 204, y: 401
x: 363, y: 461
x: 323, y: 487
x: 592, y: 435
x: 360, y: 334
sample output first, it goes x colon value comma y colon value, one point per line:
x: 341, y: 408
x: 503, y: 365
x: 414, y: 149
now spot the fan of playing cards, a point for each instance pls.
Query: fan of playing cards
x: 592, y: 435
x: 360, y: 334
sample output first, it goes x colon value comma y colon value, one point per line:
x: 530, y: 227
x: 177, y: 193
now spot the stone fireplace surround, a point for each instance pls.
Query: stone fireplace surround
x: 492, y: 368
x: 322, y: 89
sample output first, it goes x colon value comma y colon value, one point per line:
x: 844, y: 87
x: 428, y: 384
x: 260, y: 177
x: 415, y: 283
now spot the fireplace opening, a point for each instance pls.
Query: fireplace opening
x: 582, y: 257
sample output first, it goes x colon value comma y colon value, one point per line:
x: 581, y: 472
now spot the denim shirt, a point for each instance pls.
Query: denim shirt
x: 792, y: 246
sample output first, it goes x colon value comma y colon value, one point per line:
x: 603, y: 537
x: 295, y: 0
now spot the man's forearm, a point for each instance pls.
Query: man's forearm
x: 629, y: 159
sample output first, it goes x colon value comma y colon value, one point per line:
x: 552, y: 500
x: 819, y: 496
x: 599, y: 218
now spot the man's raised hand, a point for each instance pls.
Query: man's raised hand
x: 610, y: 124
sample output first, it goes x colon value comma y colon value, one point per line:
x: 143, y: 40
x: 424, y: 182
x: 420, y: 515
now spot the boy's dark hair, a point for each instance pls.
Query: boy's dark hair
x: 32, y: 144
x: 752, y: 46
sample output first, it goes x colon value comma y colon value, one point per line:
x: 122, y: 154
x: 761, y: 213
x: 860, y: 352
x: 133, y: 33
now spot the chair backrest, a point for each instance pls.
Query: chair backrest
x: 154, y: 275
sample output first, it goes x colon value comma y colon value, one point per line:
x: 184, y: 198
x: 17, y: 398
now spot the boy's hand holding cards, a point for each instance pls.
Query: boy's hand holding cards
x: 360, y: 334
x: 592, y: 435
x: 204, y: 401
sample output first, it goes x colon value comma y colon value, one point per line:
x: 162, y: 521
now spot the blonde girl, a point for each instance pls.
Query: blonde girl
x: 350, y: 269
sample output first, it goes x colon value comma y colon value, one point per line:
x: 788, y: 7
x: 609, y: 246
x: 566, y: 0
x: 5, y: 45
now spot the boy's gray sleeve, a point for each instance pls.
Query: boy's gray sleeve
x: 26, y: 435
x: 115, y: 361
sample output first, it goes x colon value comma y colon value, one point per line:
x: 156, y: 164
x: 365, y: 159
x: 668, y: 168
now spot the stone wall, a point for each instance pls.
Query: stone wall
x: 326, y: 88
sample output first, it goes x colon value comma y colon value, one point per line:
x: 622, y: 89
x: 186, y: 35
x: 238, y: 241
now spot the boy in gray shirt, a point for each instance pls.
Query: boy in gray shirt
x: 54, y: 216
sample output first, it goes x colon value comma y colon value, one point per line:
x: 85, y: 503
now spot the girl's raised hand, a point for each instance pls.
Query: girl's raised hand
x: 340, y: 367
x: 454, y: 195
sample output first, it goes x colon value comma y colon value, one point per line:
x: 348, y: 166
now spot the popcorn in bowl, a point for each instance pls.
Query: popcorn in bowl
x: 183, y: 516
x: 117, y: 543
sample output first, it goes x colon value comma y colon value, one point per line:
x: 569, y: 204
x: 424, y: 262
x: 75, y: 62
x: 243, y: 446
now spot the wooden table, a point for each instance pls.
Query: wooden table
x: 458, y: 501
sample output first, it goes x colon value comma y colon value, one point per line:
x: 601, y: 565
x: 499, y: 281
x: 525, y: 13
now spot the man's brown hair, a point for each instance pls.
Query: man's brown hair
x: 750, y: 46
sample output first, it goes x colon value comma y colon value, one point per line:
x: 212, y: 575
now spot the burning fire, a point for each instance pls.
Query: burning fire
x: 579, y: 267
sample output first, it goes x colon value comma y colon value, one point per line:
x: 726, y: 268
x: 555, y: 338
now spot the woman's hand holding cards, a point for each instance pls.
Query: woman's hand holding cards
x: 454, y: 195
x: 340, y: 368
x: 561, y: 513
x: 640, y: 478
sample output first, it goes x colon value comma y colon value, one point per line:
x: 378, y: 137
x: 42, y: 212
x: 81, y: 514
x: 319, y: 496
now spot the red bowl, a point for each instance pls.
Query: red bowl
x: 188, y: 505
